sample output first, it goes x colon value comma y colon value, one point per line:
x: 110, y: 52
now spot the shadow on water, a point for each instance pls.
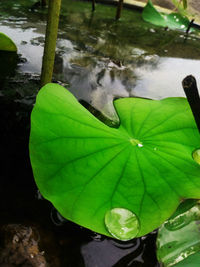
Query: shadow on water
x: 98, y: 59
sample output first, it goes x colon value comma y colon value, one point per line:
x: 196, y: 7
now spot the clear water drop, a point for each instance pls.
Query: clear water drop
x: 57, y: 218
x: 38, y: 195
x: 196, y: 155
x: 122, y: 224
x: 97, y: 237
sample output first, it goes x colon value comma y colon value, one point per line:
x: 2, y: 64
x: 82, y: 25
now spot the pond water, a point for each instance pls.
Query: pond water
x: 98, y: 59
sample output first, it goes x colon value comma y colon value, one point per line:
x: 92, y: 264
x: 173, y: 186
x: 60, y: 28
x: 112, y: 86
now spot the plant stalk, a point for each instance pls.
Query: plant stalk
x: 50, y: 41
x: 43, y: 2
x: 119, y: 9
x: 191, y: 91
x: 93, y: 5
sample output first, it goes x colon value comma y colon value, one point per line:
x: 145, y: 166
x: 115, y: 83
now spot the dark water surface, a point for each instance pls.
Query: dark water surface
x: 98, y: 59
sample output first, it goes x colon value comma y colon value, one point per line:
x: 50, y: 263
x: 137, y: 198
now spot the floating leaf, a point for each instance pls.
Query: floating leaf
x: 173, y: 20
x: 6, y: 44
x: 151, y: 15
x: 86, y: 168
x: 179, y: 237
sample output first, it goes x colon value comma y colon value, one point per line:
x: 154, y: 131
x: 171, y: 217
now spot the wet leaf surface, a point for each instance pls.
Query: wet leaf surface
x: 173, y: 20
x: 86, y: 168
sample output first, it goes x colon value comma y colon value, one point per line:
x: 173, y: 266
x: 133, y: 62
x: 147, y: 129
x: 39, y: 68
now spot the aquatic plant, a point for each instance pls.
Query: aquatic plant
x: 180, y: 4
x: 178, y: 241
x: 173, y: 20
x: 6, y: 44
x: 50, y: 41
x: 122, y: 182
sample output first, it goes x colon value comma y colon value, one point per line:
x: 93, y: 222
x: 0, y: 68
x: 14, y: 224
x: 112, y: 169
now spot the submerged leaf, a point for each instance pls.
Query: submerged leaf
x: 179, y: 237
x: 191, y: 261
x: 6, y: 44
x: 173, y: 20
x: 86, y: 168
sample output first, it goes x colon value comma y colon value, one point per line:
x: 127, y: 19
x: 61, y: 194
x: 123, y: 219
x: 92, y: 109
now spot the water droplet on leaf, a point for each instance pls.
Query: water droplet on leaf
x: 196, y: 155
x: 121, y: 223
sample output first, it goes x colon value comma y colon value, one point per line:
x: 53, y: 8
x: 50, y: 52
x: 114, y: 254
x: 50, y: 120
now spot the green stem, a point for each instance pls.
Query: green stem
x: 43, y: 2
x: 50, y: 41
x: 119, y: 9
x: 93, y: 5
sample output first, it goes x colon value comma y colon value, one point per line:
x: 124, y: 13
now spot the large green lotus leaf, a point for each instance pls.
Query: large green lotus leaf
x: 6, y: 44
x: 173, y: 20
x: 86, y: 168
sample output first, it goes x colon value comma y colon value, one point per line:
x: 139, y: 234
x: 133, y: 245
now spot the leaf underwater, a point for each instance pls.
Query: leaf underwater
x: 86, y: 168
x: 6, y: 44
x: 179, y: 237
x: 173, y: 20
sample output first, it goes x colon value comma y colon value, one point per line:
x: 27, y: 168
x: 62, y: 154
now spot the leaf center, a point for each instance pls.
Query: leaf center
x: 135, y: 142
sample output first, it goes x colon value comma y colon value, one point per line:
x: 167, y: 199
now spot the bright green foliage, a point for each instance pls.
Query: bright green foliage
x: 179, y: 237
x: 86, y: 168
x: 150, y: 14
x: 173, y: 20
x: 6, y: 43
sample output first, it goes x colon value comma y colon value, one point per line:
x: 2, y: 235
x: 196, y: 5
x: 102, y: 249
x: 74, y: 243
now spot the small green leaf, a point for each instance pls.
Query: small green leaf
x: 179, y: 237
x: 177, y: 21
x: 173, y: 20
x: 6, y: 44
x: 151, y: 15
x: 86, y: 168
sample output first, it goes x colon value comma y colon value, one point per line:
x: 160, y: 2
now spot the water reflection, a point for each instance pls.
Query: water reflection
x: 102, y: 59
x: 108, y: 252
x: 166, y: 80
